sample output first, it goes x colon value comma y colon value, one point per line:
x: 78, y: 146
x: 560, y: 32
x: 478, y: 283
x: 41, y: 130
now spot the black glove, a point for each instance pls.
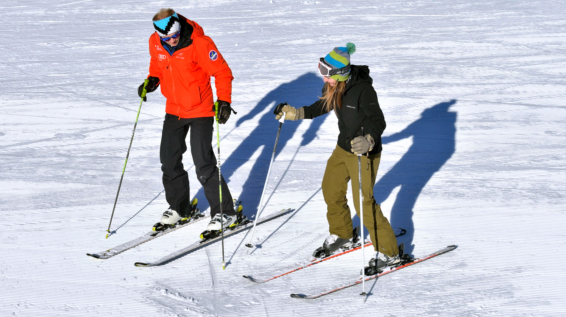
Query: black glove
x: 151, y: 86
x: 224, y: 111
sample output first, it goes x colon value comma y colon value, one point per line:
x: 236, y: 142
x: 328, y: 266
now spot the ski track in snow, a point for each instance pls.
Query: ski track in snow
x: 473, y: 95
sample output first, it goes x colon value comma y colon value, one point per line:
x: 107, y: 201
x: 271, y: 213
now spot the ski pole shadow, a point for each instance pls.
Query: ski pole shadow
x: 299, y: 92
x: 370, y: 292
x: 434, y: 142
x: 258, y: 246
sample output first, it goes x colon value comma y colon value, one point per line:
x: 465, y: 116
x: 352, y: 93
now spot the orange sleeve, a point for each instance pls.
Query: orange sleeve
x: 212, y: 62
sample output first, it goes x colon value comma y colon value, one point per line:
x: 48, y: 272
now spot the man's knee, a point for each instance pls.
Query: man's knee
x: 205, y: 174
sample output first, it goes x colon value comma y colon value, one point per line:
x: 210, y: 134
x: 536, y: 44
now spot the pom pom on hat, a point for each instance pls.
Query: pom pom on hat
x: 351, y: 48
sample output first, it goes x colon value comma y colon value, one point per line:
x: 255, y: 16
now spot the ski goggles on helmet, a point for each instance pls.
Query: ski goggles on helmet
x: 326, y: 70
x: 174, y: 36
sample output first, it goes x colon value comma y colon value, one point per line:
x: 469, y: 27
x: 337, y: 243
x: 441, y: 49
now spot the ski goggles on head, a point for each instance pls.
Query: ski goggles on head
x: 174, y: 36
x: 327, y: 70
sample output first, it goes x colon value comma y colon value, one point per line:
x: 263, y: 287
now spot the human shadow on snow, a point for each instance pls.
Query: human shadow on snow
x: 300, y: 92
x: 434, y: 142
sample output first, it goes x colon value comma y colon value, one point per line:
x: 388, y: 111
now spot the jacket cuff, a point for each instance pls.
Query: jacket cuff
x: 300, y: 114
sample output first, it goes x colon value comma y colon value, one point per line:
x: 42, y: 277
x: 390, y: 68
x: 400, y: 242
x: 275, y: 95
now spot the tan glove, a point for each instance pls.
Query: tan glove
x: 362, y: 145
x: 291, y: 113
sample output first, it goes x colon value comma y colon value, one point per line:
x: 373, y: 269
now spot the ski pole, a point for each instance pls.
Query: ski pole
x: 219, y: 182
x: 260, y: 209
x: 127, y: 155
x: 362, y: 225
x: 362, y: 222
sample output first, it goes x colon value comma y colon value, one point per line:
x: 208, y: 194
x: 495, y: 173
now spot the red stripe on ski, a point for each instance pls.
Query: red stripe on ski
x: 310, y: 264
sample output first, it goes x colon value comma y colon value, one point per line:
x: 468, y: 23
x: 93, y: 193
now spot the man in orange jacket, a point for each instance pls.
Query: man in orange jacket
x: 182, y: 61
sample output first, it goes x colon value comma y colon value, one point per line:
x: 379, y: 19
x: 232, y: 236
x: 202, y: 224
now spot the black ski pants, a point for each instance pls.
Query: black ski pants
x: 175, y: 178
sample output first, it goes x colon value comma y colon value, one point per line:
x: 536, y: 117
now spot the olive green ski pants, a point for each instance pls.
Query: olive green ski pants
x: 342, y: 167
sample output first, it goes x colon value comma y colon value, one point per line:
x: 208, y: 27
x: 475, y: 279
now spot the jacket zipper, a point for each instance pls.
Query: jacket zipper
x: 170, y: 66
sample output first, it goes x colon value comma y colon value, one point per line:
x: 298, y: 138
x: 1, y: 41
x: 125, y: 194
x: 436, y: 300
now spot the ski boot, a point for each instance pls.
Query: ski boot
x: 171, y: 218
x: 333, y: 243
x: 229, y: 222
x: 382, y: 261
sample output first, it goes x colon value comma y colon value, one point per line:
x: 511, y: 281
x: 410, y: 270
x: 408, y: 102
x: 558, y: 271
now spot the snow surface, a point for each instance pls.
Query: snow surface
x: 473, y: 93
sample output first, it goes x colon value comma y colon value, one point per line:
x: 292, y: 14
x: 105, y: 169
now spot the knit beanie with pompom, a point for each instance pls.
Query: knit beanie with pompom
x: 338, y: 58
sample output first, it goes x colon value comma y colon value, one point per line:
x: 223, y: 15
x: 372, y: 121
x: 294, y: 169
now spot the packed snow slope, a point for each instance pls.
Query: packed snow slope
x: 474, y: 155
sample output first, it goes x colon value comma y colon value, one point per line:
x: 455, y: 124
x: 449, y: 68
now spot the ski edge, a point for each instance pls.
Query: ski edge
x: 432, y: 255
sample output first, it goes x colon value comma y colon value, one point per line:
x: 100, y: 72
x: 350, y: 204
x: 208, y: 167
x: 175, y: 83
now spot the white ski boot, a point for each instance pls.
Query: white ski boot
x: 381, y: 261
x: 334, y: 243
x: 224, y: 221
x: 170, y: 217
x: 217, y: 222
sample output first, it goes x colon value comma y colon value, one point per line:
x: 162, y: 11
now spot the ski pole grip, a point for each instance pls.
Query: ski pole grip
x: 145, y: 82
x: 282, y: 119
x: 360, y: 155
x: 216, y: 110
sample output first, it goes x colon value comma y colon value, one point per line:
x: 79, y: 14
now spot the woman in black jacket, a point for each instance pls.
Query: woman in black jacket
x: 348, y: 91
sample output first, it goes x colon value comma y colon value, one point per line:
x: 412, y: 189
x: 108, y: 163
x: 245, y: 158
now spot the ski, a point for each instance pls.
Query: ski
x: 200, y: 244
x: 386, y: 271
x: 106, y: 254
x: 315, y: 261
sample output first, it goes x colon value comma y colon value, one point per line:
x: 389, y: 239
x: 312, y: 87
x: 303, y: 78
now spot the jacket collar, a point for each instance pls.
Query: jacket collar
x: 360, y: 74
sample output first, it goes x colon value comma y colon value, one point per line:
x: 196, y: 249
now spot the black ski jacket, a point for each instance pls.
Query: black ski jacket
x: 360, y: 108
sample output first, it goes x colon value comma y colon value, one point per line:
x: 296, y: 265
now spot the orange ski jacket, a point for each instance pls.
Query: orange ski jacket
x: 185, y: 75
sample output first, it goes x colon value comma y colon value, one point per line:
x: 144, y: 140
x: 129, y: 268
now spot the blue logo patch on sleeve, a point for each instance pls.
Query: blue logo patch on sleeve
x: 213, y: 55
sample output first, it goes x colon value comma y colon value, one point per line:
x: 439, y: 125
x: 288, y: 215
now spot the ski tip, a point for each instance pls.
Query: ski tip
x: 94, y: 255
x: 141, y: 264
x: 298, y: 295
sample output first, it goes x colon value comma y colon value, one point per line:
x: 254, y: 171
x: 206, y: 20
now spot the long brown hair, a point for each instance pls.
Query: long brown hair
x: 332, y: 96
